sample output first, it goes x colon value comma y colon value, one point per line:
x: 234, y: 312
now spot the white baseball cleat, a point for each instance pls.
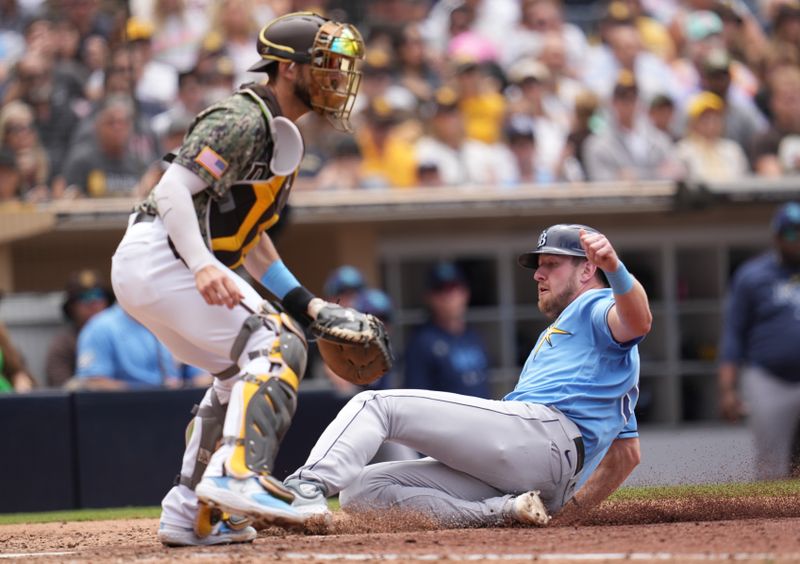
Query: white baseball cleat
x: 310, y: 501
x: 528, y: 508
x: 221, y: 533
x: 249, y: 499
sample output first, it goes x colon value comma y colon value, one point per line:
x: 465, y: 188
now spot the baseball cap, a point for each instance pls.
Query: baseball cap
x: 446, y: 98
x: 381, y: 111
x: 468, y: 49
x: 717, y: 60
x: 625, y: 84
x: 343, y: 279
x: 702, y: 24
x: 787, y: 219
x: 617, y: 11
x: 83, y: 286
x: 445, y: 274
x: 704, y: 102
x: 138, y: 30
x: 528, y: 69
x: 375, y: 302
x: 662, y: 101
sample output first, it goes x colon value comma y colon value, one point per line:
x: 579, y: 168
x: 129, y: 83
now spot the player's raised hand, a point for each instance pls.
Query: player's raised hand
x: 216, y: 287
x: 599, y: 251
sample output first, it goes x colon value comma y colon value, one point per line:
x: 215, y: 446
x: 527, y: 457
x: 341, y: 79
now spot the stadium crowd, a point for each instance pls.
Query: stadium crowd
x: 454, y: 92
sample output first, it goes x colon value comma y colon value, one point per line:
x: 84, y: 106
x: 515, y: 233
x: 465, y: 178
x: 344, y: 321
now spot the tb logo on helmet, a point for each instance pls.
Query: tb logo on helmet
x: 542, y: 239
x: 559, y: 239
x: 330, y: 48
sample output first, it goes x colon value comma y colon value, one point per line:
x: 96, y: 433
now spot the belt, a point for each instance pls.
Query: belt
x: 580, y: 453
x: 143, y: 217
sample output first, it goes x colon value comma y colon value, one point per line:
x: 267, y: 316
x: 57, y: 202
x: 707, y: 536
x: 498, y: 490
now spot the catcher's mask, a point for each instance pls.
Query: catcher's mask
x: 332, y: 49
x: 560, y: 239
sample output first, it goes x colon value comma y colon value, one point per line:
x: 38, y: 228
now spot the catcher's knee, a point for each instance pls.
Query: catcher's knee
x: 206, y: 429
x: 289, y: 342
x: 292, y: 345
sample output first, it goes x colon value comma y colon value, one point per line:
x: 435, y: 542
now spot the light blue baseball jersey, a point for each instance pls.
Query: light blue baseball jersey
x: 115, y: 345
x: 578, y: 368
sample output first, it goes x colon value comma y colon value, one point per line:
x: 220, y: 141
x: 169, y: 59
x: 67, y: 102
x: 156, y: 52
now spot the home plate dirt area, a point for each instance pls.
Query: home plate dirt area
x: 747, y: 529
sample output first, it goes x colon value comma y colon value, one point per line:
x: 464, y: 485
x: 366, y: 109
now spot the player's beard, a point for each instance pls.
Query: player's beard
x: 302, y: 91
x: 553, y: 303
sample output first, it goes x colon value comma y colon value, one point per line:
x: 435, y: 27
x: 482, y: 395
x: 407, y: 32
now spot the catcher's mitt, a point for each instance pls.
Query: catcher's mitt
x: 353, y: 344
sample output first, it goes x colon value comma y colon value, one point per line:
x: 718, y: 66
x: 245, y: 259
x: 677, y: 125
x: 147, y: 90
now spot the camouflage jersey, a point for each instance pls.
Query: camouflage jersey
x: 229, y: 145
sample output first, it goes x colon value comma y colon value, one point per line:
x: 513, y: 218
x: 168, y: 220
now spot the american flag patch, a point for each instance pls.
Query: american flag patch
x: 212, y: 162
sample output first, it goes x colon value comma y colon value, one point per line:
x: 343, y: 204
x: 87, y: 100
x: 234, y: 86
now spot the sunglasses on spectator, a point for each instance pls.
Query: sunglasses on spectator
x: 791, y: 234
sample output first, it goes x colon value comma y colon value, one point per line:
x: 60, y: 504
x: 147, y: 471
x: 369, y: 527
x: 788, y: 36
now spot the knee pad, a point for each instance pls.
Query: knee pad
x: 290, y: 341
x: 292, y: 347
x: 208, y: 421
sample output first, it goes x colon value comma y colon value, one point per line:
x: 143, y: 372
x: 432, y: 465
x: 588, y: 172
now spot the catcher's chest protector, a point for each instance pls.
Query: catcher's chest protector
x: 252, y: 204
x: 250, y: 207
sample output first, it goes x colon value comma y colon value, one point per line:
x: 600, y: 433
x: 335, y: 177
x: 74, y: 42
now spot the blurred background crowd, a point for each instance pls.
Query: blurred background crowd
x: 477, y: 93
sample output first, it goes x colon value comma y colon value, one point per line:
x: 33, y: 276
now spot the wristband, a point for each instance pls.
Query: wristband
x: 279, y: 280
x: 621, y: 280
x: 296, y: 304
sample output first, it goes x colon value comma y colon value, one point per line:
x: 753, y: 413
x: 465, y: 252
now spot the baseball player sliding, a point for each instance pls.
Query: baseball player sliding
x: 568, y: 424
x: 177, y: 271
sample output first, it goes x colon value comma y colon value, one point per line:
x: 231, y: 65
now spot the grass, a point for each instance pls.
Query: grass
x: 97, y: 514
x: 81, y: 515
x: 760, y: 489
x: 754, y: 489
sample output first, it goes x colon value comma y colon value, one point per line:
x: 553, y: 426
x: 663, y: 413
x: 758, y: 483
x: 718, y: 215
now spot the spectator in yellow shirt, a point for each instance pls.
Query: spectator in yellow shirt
x: 481, y: 103
x: 389, y: 159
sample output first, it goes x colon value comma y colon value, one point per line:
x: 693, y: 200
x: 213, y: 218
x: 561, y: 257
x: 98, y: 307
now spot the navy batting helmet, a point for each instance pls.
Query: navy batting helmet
x: 560, y: 239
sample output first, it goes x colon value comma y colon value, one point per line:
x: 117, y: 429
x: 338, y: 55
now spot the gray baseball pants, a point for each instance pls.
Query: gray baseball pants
x: 479, y: 453
x: 774, y: 417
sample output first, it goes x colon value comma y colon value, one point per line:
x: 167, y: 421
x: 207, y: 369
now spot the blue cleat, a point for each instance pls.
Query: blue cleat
x: 249, y: 499
x: 221, y: 533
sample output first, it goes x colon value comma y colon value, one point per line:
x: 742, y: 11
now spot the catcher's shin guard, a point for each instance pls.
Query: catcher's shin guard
x: 203, y: 434
x: 265, y: 403
x: 209, y: 418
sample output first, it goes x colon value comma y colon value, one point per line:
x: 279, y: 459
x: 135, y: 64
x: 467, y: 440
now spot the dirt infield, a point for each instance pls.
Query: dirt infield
x: 699, y: 529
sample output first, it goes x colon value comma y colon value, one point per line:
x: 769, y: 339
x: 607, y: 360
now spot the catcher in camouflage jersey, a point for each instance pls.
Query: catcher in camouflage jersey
x: 183, y: 266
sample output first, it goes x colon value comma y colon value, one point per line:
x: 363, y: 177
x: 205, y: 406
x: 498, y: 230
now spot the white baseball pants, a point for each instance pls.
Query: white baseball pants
x: 159, y: 291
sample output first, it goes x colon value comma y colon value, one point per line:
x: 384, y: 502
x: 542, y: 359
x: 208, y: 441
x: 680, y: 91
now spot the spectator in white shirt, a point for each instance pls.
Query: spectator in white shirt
x: 706, y: 154
x: 458, y: 159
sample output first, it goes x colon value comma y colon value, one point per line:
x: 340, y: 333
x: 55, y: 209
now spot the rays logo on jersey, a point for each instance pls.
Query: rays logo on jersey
x: 547, y: 337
